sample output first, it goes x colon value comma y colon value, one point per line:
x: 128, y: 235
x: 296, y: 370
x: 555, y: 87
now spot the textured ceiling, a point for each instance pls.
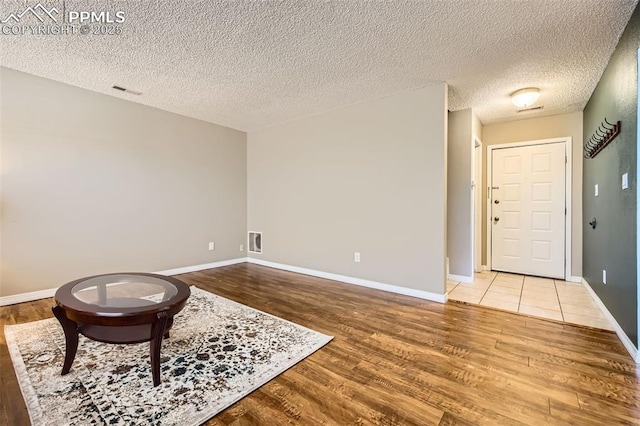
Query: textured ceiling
x: 249, y: 64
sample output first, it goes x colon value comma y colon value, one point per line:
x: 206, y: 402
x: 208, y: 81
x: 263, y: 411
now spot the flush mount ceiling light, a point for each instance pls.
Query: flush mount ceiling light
x: 525, y: 97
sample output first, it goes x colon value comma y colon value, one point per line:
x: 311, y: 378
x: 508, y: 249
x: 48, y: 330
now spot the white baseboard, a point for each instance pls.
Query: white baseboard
x: 485, y: 268
x: 575, y: 279
x: 435, y: 297
x: 43, y: 294
x: 628, y: 344
x: 202, y: 267
x: 460, y: 278
x: 27, y: 297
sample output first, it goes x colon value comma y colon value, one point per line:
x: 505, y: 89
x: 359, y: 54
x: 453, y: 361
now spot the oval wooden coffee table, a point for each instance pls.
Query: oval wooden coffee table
x: 120, y: 308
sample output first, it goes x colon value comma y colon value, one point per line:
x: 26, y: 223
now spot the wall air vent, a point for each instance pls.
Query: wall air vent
x: 124, y: 89
x: 255, y: 242
x: 536, y: 108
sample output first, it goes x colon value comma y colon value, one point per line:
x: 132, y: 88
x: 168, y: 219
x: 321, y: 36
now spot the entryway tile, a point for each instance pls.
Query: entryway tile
x: 536, y: 282
x: 450, y: 287
x: 503, y: 297
x: 587, y: 309
x: 589, y: 321
x: 539, y: 290
x: 499, y: 304
x: 461, y: 297
x: 510, y: 284
x: 540, y: 312
x: 509, y: 275
x: 511, y: 281
x: 561, y: 283
x: 572, y: 291
x: 461, y: 289
x: 504, y: 290
x: 539, y: 295
x: 540, y: 303
x: 581, y: 301
x: 542, y: 297
x: 540, y: 284
x: 477, y: 286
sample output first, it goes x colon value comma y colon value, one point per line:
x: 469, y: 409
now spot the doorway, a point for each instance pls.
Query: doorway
x: 528, y: 210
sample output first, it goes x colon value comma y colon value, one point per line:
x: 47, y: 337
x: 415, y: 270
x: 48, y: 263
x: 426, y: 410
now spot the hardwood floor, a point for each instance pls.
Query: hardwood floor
x: 396, y: 360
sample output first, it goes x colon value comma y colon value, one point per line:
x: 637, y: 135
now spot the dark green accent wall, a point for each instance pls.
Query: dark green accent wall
x: 612, y: 245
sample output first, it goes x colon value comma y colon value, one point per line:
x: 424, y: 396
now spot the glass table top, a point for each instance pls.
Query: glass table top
x: 123, y: 291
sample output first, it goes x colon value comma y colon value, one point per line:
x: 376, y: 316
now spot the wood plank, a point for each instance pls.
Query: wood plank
x: 398, y: 360
x: 618, y: 414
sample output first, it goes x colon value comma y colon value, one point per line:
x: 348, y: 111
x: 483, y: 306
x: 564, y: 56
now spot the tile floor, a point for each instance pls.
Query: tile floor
x: 541, y: 297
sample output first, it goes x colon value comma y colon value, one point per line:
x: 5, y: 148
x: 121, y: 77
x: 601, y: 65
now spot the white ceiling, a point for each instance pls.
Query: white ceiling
x: 249, y: 64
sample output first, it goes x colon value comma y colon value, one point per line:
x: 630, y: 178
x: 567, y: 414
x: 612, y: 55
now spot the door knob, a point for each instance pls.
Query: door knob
x: 496, y: 219
x: 496, y: 202
x: 593, y: 223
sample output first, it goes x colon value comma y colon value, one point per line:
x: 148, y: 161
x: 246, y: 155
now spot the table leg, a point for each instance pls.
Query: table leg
x: 157, y: 331
x: 71, y: 337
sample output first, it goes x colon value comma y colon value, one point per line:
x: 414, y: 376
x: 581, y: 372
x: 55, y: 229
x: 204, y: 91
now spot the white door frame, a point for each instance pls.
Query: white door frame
x: 638, y: 219
x: 568, y: 149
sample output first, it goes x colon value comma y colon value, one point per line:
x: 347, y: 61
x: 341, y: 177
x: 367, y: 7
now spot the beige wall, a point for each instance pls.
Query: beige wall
x: 544, y: 128
x: 459, y: 207
x: 94, y: 184
x: 477, y: 129
x: 370, y: 178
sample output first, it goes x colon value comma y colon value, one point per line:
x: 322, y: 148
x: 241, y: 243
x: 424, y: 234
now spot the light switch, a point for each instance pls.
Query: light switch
x: 625, y: 181
x: 596, y: 189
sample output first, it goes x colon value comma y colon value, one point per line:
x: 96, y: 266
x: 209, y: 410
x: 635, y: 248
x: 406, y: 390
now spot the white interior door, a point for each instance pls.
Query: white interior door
x: 528, y: 210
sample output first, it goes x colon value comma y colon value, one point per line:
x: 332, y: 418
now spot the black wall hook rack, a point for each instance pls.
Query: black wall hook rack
x: 605, y: 133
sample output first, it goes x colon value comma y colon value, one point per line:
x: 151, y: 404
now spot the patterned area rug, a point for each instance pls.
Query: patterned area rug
x: 219, y: 351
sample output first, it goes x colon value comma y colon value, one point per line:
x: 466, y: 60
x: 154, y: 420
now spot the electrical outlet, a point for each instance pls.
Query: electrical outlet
x: 212, y: 246
x: 356, y: 257
x: 604, y: 276
x: 241, y: 247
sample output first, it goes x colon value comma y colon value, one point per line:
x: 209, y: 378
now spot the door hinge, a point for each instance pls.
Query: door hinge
x: 565, y: 159
x: 565, y: 211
